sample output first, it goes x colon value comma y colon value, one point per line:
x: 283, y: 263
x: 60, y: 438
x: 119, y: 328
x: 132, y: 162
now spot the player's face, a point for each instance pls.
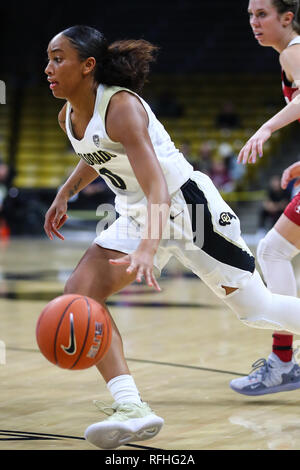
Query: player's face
x: 64, y: 68
x: 265, y: 22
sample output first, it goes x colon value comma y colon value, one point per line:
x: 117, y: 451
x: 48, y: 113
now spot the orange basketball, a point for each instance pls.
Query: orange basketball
x: 73, y: 331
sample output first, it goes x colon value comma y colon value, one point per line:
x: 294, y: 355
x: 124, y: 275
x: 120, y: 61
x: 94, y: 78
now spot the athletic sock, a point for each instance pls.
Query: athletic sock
x: 282, y: 346
x: 124, y: 390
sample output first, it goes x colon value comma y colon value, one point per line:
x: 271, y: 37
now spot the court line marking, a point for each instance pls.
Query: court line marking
x: 147, y: 361
x: 184, y: 366
x: 48, y: 296
x: 25, y: 435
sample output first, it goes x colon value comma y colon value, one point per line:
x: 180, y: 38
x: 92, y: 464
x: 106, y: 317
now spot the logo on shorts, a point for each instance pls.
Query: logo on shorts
x: 96, y: 140
x: 172, y: 217
x: 225, y: 218
x: 297, y: 209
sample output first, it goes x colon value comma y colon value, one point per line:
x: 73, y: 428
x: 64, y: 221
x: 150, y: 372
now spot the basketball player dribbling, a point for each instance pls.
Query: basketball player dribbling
x: 158, y: 197
x: 275, y: 24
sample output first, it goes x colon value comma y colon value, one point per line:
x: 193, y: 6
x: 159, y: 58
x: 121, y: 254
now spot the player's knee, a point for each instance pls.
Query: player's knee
x: 253, y: 304
x: 274, y: 247
x: 266, y: 250
x: 260, y: 251
x: 77, y: 285
x: 70, y: 286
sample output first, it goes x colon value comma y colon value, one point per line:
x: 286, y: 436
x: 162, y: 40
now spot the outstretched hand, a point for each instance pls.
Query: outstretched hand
x: 54, y: 219
x: 142, y: 264
x: 254, y: 146
x: 292, y: 172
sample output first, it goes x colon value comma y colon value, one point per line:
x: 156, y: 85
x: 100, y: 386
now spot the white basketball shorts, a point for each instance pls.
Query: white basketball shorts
x: 203, y: 233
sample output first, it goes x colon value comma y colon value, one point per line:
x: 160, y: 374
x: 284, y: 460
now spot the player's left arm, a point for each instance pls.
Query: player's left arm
x: 290, y: 62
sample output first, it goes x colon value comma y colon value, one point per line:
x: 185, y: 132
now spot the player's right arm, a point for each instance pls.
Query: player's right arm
x: 81, y: 177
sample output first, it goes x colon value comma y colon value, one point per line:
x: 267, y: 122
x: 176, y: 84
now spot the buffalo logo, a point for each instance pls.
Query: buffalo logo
x: 96, y: 140
x: 225, y: 218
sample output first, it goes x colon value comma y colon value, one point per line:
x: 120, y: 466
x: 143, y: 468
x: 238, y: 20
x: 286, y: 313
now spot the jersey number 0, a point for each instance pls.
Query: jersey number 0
x: 115, y: 179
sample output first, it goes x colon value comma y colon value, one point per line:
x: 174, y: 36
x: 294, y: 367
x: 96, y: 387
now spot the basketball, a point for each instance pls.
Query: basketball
x: 73, y: 331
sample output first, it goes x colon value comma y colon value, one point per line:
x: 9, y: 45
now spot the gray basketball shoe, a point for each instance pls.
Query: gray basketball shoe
x: 271, y: 376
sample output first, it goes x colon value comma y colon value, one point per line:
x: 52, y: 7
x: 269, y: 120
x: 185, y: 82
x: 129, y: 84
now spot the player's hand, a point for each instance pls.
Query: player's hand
x: 142, y: 264
x: 55, y: 218
x: 290, y: 173
x: 254, y: 146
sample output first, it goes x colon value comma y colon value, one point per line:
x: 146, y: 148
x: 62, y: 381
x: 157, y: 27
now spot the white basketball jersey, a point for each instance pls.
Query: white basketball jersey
x: 109, y: 158
x: 296, y: 40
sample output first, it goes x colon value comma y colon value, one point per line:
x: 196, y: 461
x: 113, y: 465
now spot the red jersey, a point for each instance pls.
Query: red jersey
x: 287, y: 88
x: 292, y: 210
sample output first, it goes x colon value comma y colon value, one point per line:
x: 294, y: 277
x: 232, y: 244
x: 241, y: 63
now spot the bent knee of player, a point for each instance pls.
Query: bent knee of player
x: 82, y: 285
x: 267, y: 251
x: 253, y: 304
x: 274, y: 247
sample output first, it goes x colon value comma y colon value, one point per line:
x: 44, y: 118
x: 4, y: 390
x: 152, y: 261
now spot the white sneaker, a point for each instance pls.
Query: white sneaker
x: 271, y: 376
x: 127, y: 422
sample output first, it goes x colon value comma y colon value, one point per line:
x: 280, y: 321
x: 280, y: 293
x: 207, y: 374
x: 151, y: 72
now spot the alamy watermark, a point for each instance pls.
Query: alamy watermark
x: 2, y: 353
x: 2, y: 92
x: 186, y: 223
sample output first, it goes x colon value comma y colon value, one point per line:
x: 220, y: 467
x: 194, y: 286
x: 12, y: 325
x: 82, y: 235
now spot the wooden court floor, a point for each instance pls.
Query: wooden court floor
x: 183, y: 348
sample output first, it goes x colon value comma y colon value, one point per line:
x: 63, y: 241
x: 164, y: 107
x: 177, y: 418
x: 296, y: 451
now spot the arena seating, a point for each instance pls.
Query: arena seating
x: 44, y: 158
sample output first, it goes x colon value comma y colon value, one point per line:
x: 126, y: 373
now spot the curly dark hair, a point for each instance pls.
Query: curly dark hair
x: 123, y: 63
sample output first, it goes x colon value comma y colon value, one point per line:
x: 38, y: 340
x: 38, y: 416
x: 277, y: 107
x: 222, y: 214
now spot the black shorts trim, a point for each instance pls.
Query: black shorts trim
x: 214, y: 244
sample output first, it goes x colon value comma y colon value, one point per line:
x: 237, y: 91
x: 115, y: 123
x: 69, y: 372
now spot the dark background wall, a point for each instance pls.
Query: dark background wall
x: 194, y: 36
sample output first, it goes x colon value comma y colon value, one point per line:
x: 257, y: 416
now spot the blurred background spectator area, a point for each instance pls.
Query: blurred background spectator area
x: 212, y: 87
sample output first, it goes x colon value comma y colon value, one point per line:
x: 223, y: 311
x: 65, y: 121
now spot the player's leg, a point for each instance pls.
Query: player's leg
x: 95, y: 277
x: 256, y: 306
x: 226, y: 265
x: 130, y: 418
x: 275, y: 253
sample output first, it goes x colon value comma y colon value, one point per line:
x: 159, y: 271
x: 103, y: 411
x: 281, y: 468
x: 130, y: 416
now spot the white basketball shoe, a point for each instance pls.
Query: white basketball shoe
x: 127, y: 422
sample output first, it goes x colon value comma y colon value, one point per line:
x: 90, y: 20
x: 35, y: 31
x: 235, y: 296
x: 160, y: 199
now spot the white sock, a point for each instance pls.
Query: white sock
x: 124, y: 390
x: 274, y: 254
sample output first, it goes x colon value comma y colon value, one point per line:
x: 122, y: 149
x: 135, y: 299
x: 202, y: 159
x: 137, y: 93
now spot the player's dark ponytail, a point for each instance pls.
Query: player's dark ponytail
x: 123, y: 63
x: 283, y: 6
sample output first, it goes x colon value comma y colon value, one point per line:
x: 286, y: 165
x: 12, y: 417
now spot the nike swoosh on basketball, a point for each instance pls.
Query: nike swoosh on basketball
x: 172, y: 217
x: 71, y: 349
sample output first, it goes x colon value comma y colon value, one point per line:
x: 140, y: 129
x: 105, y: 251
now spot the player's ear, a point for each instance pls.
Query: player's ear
x: 287, y: 18
x: 89, y: 65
